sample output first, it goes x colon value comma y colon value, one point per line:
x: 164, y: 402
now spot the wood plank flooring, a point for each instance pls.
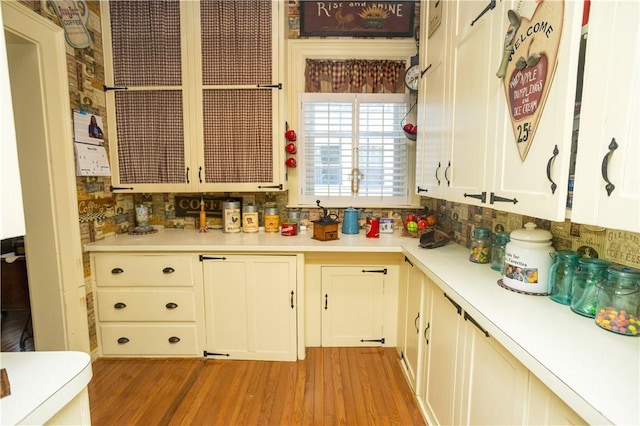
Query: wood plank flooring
x: 332, y: 386
x: 13, y: 326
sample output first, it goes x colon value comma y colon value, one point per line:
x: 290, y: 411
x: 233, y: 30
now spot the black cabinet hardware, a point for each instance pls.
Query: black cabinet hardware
x: 425, y: 333
x: 206, y: 354
x: 605, y: 163
x: 292, y: 305
x: 421, y: 189
x: 120, y: 305
x: 187, y: 175
x: 553, y: 157
x: 482, y: 197
x: 171, y: 305
x: 468, y: 317
x: 123, y: 340
x: 203, y: 257
x: 373, y: 340
x: 173, y: 339
x: 446, y: 175
x: 279, y: 186
x: 120, y: 188
x: 437, y: 170
x: 168, y: 270
x: 406, y: 259
x: 425, y: 70
x: 116, y: 271
x: 108, y: 88
x: 326, y: 302
x: 270, y: 86
x: 490, y: 6
x: 458, y: 307
x: 498, y: 199
x: 415, y: 323
x: 376, y: 271
x: 200, y: 174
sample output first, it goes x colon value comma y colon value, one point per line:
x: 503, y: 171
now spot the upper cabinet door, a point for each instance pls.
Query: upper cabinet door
x: 539, y: 100
x: 203, y: 99
x: 607, y: 181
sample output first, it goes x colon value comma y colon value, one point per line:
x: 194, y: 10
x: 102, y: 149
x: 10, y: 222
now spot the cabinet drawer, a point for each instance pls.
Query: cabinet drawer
x: 143, y: 270
x: 146, y: 305
x: 148, y: 339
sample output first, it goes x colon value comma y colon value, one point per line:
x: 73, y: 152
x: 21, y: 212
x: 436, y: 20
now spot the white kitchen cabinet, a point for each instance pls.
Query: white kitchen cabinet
x: 493, y: 382
x: 250, y: 306
x: 545, y: 408
x: 412, y: 323
x: 433, y: 130
x: 204, y: 111
x: 607, y: 180
x: 353, y: 305
x: 466, y: 148
x: 148, y: 304
x: 441, y: 374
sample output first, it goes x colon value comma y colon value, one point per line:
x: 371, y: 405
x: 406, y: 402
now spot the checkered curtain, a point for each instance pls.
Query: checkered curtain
x: 354, y: 76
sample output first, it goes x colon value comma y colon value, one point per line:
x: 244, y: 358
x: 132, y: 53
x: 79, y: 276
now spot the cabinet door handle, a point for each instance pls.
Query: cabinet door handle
x: 119, y: 305
x: 421, y: 189
x: 123, y: 340
x: 437, y: 170
x: 425, y: 332
x: 171, y: 305
x: 326, y: 302
x: 200, y: 174
x: 605, y: 163
x: 168, y: 270
x: 116, y: 271
x: 490, y: 6
x: 187, y: 175
x: 203, y: 257
x: 446, y: 174
x: 415, y: 323
x: 468, y: 317
x: 174, y: 339
x: 555, y: 154
x: 292, y: 305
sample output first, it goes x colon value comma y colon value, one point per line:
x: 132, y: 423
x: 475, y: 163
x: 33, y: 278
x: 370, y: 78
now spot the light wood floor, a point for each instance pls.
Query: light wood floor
x: 345, y: 386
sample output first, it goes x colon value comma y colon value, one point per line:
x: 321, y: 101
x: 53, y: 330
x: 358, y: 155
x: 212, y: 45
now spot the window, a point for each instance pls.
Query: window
x: 353, y: 150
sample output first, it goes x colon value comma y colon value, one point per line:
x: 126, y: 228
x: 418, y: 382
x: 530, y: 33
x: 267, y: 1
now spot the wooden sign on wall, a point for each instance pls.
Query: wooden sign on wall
x: 357, y: 18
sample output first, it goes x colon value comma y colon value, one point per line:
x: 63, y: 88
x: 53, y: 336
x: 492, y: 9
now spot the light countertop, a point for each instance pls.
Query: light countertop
x: 42, y: 383
x: 597, y: 373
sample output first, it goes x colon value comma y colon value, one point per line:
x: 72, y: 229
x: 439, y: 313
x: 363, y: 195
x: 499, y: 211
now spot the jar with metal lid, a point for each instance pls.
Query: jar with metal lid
x: 231, y: 216
x: 618, y: 306
x: 250, y: 218
x: 561, y: 275
x: 480, y: 246
x: 294, y: 217
x: 587, y: 281
x: 500, y: 240
x: 271, y: 219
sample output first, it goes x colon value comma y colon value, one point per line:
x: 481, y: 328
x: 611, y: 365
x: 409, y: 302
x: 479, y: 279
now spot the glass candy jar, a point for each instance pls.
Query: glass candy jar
x: 500, y: 241
x: 587, y: 281
x: 480, y: 246
x: 561, y: 276
x: 618, y: 305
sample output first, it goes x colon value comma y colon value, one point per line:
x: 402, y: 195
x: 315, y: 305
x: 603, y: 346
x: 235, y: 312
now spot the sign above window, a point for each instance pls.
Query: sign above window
x: 357, y: 18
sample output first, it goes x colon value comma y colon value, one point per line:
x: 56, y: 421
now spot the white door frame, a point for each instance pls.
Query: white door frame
x: 36, y: 52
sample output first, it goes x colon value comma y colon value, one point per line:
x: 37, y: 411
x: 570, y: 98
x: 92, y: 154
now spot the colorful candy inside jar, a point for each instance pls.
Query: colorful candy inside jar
x: 480, y: 246
x: 618, y: 306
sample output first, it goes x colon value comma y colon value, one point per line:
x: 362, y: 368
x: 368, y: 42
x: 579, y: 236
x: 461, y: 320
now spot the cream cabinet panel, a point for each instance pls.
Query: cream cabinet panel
x: 153, y: 339
x: 251, y: 306
x: 146, y: 305
x: 353, y: 305
x: 145, y: 270
x: 442, y: 373
x: 432, y: 146
x: 609, y: 125
x: 414, y: 319
x: 545, y: 408
x: 494, y: 383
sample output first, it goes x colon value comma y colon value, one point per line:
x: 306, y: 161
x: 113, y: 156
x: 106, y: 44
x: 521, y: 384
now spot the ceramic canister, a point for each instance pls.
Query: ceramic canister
x: 231, y: 216
x: 527, y: 260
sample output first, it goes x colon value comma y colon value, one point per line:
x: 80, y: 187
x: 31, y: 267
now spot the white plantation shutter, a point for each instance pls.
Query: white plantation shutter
x: 353, y: 150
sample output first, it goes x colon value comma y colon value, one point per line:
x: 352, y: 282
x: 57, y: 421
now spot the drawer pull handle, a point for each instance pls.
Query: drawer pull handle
x: 174, y: 339
x: 171, y: 305
x: 116, y: 271
x: 120, y: 305
x: 168, y: 270
x: 123, y: 340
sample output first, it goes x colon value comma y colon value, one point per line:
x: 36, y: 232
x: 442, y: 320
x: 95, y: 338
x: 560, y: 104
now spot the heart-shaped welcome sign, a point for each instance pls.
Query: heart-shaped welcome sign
x: 531, y: 68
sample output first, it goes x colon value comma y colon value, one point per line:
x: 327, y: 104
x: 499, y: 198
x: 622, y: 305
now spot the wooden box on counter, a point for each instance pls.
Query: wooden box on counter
x: 325, y: 231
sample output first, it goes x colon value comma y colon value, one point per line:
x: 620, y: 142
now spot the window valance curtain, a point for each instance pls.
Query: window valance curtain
x: 354, y: 76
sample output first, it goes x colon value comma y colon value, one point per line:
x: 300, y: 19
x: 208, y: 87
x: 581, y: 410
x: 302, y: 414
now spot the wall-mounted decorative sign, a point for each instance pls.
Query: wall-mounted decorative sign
x: 527, y: 79
x: 357, y: 18
x: 73, y: 16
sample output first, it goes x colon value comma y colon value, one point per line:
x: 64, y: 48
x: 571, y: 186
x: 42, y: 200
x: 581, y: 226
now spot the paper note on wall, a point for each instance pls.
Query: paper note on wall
x: 91, y: 160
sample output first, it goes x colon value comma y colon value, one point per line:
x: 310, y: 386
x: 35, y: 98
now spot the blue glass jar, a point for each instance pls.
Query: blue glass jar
x: 480, y: 246
x: 618, y: 307
x: 500, y: 241
x: 561, y: 276
x: 587, y: 281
